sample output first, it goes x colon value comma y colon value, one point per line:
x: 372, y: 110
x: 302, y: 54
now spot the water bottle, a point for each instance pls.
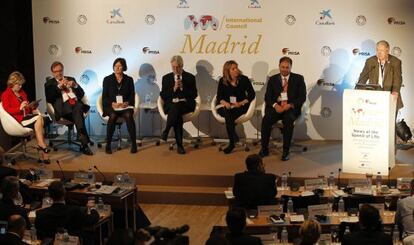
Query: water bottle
x: 347, y: 231
x: 284, y: 236
x: 341, y: 205
x: 91, y: 177
x: 379, y: 179
x: 331, y: 180
x: 100, y: 205
x: 284, y: 181
x: 290, y: 206
x: 33, y: 235
x: 396, y: 235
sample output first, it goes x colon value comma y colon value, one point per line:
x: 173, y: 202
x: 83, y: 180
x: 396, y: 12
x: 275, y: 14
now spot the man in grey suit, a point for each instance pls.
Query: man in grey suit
x: 384, y: 70
x: 404, y: 217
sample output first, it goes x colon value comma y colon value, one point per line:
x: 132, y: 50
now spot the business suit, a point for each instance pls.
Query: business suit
x: 243, y: 239
x: 253, y: 188
x: 365, y: 237
x: 404, y: 215
x: 296, y: 94
x: 8, y: 208
x: 175, y: 111
x: 11, y: 239
x: 392, y: 80
x: 64, y: 109
x: 111, y: 89
x: 243, y: 90
x: 59, y: 215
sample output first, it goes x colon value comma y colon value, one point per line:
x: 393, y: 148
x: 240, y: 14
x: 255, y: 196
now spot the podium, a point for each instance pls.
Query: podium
x: 368, y: 131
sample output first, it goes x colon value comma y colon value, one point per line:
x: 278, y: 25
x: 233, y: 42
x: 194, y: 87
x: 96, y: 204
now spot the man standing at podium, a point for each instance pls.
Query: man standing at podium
x: 383, y: 70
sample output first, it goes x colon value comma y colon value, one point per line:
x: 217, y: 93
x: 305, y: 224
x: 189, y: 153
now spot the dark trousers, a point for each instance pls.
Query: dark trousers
x: 231, y: 115
x: 271, y: 117
x: 175, y: 113
x: 73, y: 113
x: 128, y: 116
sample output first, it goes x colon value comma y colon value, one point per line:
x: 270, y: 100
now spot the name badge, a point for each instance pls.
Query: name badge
x: 119, y: 99
x: 283, y: 96
x: 233, y: 99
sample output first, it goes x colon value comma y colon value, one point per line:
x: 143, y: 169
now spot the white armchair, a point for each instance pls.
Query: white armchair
x: 15, y: 129
x: 119, y: 122
x: 242, y: 119
x: 186, y: 118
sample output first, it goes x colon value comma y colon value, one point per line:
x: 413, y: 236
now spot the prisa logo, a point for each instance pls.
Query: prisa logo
x: 204, y: 22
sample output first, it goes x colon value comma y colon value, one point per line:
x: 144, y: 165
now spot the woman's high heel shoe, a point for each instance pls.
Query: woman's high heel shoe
x: 45, y: 150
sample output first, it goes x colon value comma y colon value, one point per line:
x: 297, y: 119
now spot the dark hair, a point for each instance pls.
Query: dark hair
x: 15, y: 223
x: 56, y: 63
x: 56, y: 190
x: 10, y: 187
x: 123, y: 63
x: 236, y: 220
x: 285, y: 59
x: 253, y: 162
x: 369, y: 217
x: 122, y: 237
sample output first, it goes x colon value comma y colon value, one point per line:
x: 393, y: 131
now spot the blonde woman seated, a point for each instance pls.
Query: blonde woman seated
x: 15, y: 102
x: 309, y: 232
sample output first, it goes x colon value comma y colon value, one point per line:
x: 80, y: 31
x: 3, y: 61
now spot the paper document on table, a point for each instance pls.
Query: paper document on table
x: 106, y: 189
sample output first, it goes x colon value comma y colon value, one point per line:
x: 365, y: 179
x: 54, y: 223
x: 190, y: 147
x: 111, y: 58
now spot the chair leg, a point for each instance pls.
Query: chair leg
x: 19, y: 151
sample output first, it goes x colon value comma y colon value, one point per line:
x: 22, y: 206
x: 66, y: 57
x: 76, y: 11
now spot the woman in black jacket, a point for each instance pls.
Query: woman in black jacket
x: 234, y: 95
x: 118, y: 100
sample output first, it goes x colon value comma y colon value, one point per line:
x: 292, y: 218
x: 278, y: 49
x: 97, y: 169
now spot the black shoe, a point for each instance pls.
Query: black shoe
x: 285, y: 156
x: 108, y: 149
x: 180, y: 149
x: 264, y: 152
x: 134, y: 149
x: 86, y: 150
x: 164, y: 135
x: 45, y: 150
x: 228, y: 149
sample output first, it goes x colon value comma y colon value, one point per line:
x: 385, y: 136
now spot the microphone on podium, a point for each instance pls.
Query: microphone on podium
x: 104, y: 181
x: 63, y: 173
x: 389, y: 172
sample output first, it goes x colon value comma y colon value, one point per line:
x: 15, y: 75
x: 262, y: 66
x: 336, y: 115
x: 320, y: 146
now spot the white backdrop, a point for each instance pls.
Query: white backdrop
x: 328, y: 41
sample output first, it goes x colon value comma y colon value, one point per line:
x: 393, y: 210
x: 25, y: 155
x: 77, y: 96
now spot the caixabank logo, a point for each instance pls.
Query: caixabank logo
x: 116, y: 49
x: 82, y: 19
x: 115, y: 17
x: 48, y: 20
x: 204, y: 22
x: 54, y: 50
x: 183, y: 4
x: 80, y: 50
x: 254, y: 4
x: 325, y: 18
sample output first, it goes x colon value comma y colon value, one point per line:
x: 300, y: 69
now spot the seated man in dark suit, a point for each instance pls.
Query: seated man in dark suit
x: 60, y: 215
x: 254, y: 187
x: 66, y: 95
x: 16, y: 225
x: 236, y: 222
x: 6, y: 171
x: 10, y: 190
x: 371, y: 229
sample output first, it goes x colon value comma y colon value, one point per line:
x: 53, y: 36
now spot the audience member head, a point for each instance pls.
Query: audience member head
x: 254, y: 162
x: 369, y: 218
x: 412, y: 186
x: 285, y: 65
x: 57, y: 191
x: 230, y: 71
x: 236, y: 220
x: 57, y: 70
x: 10, y: 187
x: 16, y: 224
x: 15, y: 79
x: 310, y: 231
x: 119, y: 65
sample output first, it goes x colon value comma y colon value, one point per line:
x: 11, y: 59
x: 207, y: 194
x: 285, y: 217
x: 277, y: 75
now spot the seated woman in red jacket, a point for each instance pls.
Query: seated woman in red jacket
x: 15, y: 102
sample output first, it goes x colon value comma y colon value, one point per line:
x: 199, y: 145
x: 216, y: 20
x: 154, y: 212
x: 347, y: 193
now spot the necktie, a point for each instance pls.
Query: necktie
x: 284, y: 89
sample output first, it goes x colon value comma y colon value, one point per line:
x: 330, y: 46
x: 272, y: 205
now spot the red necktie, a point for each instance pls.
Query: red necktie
x: 284, y: 89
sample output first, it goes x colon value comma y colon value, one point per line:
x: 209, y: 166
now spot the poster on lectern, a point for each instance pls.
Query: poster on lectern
x: 368, y: 131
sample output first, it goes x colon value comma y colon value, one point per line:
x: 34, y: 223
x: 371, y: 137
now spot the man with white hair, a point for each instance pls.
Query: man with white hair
x: 384, y: 70
x: 178, y: 92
